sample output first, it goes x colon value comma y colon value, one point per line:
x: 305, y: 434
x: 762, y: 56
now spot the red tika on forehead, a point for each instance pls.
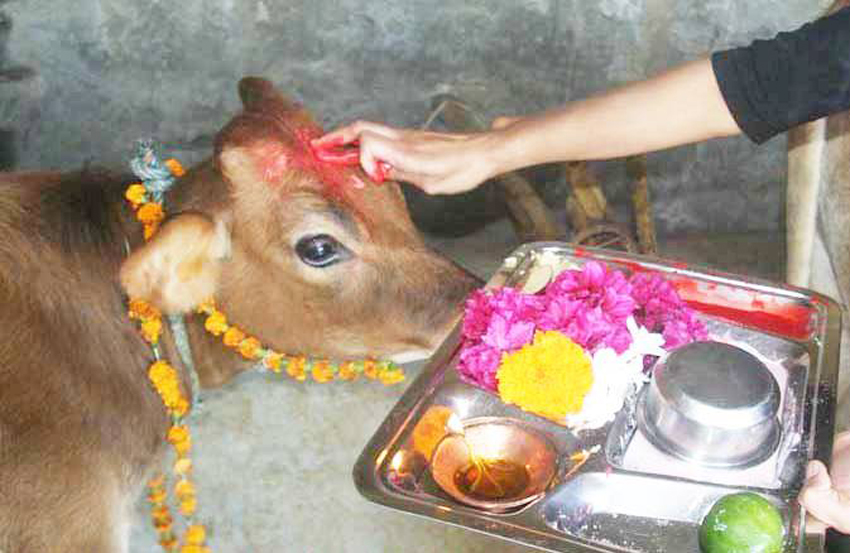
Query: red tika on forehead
x: 277, y: 157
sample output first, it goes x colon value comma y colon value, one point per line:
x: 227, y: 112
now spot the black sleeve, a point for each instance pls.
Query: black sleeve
x: 795, y: 77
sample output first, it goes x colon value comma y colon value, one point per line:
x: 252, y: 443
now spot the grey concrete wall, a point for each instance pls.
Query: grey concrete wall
x: 110, y: 71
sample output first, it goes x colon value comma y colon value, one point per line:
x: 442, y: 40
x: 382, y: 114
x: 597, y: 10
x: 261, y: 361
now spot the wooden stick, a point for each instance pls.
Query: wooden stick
x: 636, y: 169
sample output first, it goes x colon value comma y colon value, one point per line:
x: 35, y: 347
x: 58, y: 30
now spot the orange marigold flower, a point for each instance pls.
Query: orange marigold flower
x: 184, y: 489
x: 151, y: 329
x: 161, y: 372
x: 296, y: 368
x: 322, y: 372
x: 177, y: 434
x: 149, y: 230
x: 157, y: 496
x: 550, y: 376
x: 175, y: 167
x: 370, y: 368
x: 140, y: 309
x: 160, y: 512
x: 347, y: 371
x: 195, y: 534
x: 182, y: 466
x: 179, y: 437
x: 273, y: 360
x: 157, y: 481
x: 181, y: 406
x: 162, y: 525
x: 233, y: 336
x: 216, y: 323
x: 390, y: 376
x: 194, y: 549
x: 207, y: 306
x: 150, y: 212
x: 249, y: 347
x: 169, y: 544
x: 136, y: 194
x: 188, y: 505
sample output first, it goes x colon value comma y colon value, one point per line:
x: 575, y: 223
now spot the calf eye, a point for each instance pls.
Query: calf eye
x: 321, y: 250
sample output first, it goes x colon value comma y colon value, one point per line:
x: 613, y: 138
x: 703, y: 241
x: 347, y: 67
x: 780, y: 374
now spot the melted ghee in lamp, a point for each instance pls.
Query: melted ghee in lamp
x: 489, y: 479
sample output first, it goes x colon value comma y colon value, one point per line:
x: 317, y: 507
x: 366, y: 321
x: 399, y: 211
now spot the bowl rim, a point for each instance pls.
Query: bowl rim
x: 497, y: 506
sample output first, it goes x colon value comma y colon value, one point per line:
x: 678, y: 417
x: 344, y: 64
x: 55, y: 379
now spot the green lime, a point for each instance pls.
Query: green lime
x: 742, y: 523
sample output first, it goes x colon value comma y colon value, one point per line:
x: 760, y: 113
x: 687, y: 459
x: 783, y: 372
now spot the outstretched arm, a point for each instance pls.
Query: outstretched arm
x: 680, y: 106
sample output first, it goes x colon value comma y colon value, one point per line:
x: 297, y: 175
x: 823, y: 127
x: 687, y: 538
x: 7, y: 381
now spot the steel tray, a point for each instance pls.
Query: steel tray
x: 628, y: 496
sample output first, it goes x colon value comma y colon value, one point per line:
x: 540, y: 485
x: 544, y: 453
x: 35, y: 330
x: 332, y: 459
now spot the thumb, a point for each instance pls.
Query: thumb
x: 817, y: 477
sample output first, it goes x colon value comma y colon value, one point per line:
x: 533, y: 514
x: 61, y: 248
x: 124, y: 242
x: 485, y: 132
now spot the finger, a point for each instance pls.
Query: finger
x: 504, y: 121
x: 828, y: 507
x: 817, y: 477
x: 338, y: 137
x: 350, y: 134
x: 815, y: 526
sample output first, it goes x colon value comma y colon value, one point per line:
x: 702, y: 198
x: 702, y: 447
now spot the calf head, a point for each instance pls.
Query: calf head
x: 309, y: 257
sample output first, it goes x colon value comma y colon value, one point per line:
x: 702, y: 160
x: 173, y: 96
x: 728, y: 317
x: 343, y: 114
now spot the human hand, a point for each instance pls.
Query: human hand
x: 438, y: 163
x: 826, y: 495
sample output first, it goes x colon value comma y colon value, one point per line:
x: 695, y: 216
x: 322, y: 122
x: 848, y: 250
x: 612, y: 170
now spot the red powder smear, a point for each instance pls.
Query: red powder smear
x: 783, y: 317
x: 276, y: 158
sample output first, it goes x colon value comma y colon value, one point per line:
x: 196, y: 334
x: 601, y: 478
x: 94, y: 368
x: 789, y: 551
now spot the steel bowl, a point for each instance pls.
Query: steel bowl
x: 495, y: 439
x: 712, y: 403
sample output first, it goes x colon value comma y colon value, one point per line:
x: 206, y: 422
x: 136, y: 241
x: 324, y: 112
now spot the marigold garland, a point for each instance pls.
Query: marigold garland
x: 298, y: 367
x: 165, y: 379
x: 166, y: 382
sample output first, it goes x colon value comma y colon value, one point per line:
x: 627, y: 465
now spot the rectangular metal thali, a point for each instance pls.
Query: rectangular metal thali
x: 627, y: 496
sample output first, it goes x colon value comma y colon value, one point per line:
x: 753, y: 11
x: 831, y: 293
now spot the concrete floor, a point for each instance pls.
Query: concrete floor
x: 274, y: 457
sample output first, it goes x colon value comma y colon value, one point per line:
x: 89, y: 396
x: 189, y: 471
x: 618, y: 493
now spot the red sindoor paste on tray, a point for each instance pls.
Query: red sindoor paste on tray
x: 784, y: 317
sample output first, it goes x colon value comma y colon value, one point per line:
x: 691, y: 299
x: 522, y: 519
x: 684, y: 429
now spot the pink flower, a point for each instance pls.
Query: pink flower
x: 478, y: 364
x: 660, y: 309
x: 590, y: 306
x: 506, y: 336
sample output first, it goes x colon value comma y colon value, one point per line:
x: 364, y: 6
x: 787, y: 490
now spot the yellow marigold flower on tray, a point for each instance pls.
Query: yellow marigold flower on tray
x: 322, y: 372
x: 216, y: 323
x: 233, y: 337
x: 195, y: 535
x: 549, y: 377
x: 136, y: 194
x: 249, y: 347
x: 150, y: 212
x: 175, y: 167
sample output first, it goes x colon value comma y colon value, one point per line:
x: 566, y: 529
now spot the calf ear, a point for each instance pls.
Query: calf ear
x: 179, y: 267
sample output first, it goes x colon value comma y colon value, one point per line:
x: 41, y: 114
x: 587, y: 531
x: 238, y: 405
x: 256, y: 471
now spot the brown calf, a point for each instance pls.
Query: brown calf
x: 292, y: 252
